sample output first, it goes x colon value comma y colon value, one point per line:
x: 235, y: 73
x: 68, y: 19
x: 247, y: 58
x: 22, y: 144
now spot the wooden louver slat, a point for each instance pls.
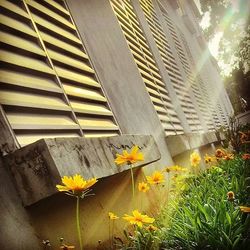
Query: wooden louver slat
x: 146, y: 64
x: 168, y: 59
x: 48, y: 87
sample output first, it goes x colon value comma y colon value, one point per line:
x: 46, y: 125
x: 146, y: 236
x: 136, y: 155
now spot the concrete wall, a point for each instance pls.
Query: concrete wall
x: 52, y: 218
x: 117, y: 71
x: 16, y: 229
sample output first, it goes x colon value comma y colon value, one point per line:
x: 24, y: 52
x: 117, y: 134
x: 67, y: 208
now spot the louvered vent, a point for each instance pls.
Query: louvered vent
x: 181, y: 89
x: 210, y: 112
x: 189, y: 68
x: 48, y: 87
x: 146, y: 65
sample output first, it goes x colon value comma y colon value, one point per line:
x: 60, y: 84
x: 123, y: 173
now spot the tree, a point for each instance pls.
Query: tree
x: 233, y: 20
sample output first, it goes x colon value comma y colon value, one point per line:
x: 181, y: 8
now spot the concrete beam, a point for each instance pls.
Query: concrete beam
x: 38, y: 167
x: 181, y: 143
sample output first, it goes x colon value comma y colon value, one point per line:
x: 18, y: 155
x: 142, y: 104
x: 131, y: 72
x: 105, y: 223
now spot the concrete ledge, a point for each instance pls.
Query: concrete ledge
x: 38, y: 167
x: 244, y: 118
x: 178, y: 144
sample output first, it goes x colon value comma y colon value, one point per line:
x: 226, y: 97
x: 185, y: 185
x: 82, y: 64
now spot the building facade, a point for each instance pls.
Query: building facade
x: 106, y: 67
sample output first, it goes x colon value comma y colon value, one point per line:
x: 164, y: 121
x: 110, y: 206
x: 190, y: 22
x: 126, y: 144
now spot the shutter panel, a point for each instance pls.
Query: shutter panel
x: 42, y: 99
x: 170, y: 64
x: 189, y: 70
x: 146, y: 65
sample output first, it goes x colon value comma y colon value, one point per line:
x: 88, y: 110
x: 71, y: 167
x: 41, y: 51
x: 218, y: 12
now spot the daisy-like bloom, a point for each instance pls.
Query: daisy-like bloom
x: 219, y: 153
x: 151, y: 228
x: 228, y: 157
x: 195, y: 159
x: 230, y: 196
x: 143, y: 187
x: 129, y: 158
x: 245, y: 209
x: 112, y: 216
x: 209, y: 159
x: 156, y: 178
x: 175, y: 168
x: 246, y: 156
x: 138, y: 219
x: 75, y: 184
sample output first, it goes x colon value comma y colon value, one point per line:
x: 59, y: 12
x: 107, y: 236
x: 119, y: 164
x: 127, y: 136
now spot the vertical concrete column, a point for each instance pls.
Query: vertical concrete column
x: 16, y: 231
x: 180, y: 66
x: 160, y: 65
x: 117, y: 71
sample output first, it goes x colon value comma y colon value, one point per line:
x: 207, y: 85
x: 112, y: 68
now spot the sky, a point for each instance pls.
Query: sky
x: 226, y: 21
x: 214, y: 43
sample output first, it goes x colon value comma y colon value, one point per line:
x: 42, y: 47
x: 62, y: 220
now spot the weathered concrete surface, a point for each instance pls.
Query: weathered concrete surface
x: 38, y: 167
x: 244, y: 117
x: 180, y: 143
x: 117, y: 71
x: 16, y: 232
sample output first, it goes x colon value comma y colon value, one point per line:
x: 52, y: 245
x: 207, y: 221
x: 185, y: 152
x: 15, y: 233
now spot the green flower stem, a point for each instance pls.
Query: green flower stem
x: 133, y: 182
x: 78, y: 222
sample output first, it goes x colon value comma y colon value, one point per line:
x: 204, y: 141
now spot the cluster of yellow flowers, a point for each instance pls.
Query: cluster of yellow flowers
x: 79, y: 187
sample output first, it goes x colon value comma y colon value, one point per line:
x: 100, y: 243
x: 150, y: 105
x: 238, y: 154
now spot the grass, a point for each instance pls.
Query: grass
x: 202, y: 216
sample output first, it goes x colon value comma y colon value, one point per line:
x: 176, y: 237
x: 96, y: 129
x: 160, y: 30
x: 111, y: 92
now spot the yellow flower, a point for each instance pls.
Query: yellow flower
x: 143, y: 187
x: 195, y: 159
x: 151, y: 228
x: 75, y: 184
x: 246, y: 156
x: 112, y: 216
x: 138, y: 219
x: 209, y: 159
x: 129, y: 158
x: 219, y: 153
x: 230, y: 196
x: 175, y: 168
x: 245, y: 209
x: 228, y: 157
x: 156, y: 178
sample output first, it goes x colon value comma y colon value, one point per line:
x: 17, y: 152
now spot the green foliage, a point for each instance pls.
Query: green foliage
x: 231, y: 19
x: 205, y: 218
x: 141, y: 239
x: 202, y: 217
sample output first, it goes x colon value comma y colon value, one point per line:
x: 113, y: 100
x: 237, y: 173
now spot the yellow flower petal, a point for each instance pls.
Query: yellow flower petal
x: 195, y: 159
x: 112, y: 216
x: 75, y: 183
x: 129, y: 158
x: 138, y: 218
x: 245, y: 209
x: 156, y: 178
x: 143, y: 187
